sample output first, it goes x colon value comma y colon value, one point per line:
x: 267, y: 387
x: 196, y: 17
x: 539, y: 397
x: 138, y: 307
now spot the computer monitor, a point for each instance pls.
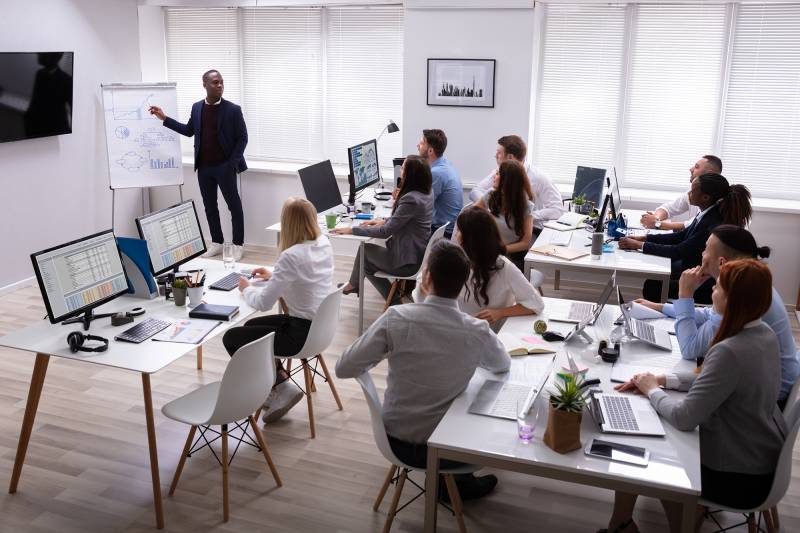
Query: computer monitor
x: 601, y: 218
x: 173, y: 236
x: 319, y: 184
x: 590, y: 183
x: 78, y: 276
x: 613, y: 189
x: 364, y: 168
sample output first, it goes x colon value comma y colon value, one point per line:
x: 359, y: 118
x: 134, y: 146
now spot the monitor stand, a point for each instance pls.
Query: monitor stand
x: 86, y: 318
x: 351, y: 200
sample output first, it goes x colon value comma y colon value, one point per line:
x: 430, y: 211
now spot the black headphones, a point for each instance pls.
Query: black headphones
x: 77, y: 338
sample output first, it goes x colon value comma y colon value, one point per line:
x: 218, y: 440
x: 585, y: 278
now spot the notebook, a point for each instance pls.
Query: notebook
x: 524, y: 345
x: 214, y: 312
x: 562, y: 252
x: 566, y: 222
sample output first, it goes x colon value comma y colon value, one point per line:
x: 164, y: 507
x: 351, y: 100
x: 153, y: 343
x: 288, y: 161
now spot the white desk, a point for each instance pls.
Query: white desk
x: 46, y: 340
x: 628, y: 264
x: 342, y: 243
x: 673, y: 472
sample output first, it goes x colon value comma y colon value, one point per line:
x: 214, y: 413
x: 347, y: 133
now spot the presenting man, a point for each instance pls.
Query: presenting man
x: 220, y: 136
x: 448, y: 196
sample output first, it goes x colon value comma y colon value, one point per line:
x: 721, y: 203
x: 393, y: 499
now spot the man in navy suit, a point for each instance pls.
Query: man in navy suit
x: 220, y: 136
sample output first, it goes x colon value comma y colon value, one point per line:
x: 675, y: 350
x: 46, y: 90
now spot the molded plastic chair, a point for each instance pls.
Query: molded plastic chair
x: 455, y: 227
x: 248, y: 377
x: 783, y: 475
x: 401, y: 280
x: 320, y: 336
x: 382, y: 441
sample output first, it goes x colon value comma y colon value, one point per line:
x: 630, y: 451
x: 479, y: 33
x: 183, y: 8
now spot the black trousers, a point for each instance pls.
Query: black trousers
x: 518, y: 258
x: 743, y: 491
x: 416, y: 455
x: 290, y: 335
x: 652, y: 290
x: 222, y: 176
x: 379, y: 258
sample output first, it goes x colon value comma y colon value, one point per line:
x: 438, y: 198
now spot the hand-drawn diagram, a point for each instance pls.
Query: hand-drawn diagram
x: 131, y: 161
x: 122, y: 132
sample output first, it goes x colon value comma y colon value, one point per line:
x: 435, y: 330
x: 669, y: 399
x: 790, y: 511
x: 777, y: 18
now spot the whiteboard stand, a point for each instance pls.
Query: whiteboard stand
x: 114, y: 200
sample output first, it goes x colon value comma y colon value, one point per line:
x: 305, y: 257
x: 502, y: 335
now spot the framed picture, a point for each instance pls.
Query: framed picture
x: 461, y: 82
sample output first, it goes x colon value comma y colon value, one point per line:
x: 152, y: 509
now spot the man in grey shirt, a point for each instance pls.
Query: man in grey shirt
x: 433, y: 350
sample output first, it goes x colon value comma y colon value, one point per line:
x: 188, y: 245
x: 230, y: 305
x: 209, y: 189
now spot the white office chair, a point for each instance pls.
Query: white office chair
x: 248, y: 377
x: 382, y: 441
x: 455, y: 227
x: 768, y: 509
x: 400, y: 281
x: 320, y: 336
x: 537, y: 280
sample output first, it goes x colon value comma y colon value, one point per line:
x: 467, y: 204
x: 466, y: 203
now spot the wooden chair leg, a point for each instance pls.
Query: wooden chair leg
x: 182, y: 461
x: 258, y: 413
x: 200, y: 357
x: 557, y: 280
x: 751, y: 523
x: 775, y: 518
x: 392, y: 289
x: 398, y: 490
x: 265, y: 452
x: 330, y: 381
x: 225, y: 503
x: 288, y: 365
x: 455, y: 500
x: 307, y: 374
x: 384, y: 487
x: 767, y: 517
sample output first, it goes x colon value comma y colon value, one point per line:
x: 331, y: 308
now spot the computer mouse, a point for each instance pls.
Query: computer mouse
x: 552, y: 336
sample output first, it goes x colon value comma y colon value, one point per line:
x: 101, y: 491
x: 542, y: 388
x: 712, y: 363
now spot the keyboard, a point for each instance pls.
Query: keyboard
x: 143, y: 330
x: 561, y: 239
x: 505, y: 403
x: 620, y: 414
x: 229, y: 282
x: 644, y: 331
x: 580, y: 311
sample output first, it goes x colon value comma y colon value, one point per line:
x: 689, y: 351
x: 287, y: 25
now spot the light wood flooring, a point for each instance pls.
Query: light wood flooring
x: 87, y: 467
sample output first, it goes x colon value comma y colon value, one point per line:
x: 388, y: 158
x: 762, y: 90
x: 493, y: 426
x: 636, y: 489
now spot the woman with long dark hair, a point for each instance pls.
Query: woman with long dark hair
x: 409, y: 226
x: 511, y: 205
x: 732, y: 398
x: 495, y: 289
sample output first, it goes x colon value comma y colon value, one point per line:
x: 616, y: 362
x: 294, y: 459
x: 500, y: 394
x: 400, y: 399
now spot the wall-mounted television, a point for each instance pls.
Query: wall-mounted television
x: 35, y: 94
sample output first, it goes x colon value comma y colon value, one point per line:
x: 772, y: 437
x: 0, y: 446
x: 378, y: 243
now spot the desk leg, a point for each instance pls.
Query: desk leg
x: 200, y: 357
x: 431, y: 489
x: 361, y: 289
x: 151, y: 441
x: 664, y: 289
x: 689, y: 516
x: 557, y: 280
x: 34, y: 393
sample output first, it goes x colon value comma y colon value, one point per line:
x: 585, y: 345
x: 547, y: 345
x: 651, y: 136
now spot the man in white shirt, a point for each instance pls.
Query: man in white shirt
x: 680, y: 205
x: 546, y: 197
x: 433, y: 350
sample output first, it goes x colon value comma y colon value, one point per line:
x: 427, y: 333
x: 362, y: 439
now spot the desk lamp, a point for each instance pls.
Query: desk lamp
x: 391, y: 127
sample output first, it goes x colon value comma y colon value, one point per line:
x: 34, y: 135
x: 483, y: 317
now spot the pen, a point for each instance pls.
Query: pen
x: 563, y: 223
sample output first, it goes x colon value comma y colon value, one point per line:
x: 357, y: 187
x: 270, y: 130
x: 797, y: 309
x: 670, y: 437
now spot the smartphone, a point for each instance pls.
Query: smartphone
x: 614, y: 451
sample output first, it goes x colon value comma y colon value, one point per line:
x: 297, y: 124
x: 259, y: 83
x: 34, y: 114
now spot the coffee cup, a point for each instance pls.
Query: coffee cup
x: 366, y: 207
x: 331, y: 220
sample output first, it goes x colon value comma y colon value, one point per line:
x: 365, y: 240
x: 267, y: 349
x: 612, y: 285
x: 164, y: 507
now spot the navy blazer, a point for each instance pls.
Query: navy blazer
x: 231, y: 131
x: 688, y: 244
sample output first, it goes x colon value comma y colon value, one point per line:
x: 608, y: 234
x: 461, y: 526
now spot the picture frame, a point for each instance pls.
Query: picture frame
x: 461, y: 82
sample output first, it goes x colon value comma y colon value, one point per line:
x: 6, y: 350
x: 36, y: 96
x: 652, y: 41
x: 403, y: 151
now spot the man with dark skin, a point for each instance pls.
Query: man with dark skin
x: 220, y: 135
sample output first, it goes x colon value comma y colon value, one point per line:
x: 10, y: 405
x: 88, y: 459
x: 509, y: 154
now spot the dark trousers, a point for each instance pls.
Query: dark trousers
x: 652, y: 290
x: 222, y: 176
x: 416, y: 455
x: 290, y: 335
x: 379, y: 258
x: 743, y: 491
x: 518, y: 258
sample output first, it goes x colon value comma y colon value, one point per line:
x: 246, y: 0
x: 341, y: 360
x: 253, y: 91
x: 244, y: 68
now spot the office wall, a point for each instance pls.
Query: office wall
x: 56, y: 189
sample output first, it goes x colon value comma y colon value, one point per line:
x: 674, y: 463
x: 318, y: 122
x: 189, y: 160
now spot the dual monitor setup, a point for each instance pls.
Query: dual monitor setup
x: 590, y: 184
x: 81, y: 275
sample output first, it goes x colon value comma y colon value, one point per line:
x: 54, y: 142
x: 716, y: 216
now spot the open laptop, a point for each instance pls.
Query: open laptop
x: 581, y: 311
x: 500, y: 398
x: 625, y: 414
x: 642, y: 330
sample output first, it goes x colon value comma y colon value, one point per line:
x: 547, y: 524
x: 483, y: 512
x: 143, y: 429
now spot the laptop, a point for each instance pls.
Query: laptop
x: 582, y: 311
x: 499, y: 399
x: 626, y: 414
x: 642, y: 330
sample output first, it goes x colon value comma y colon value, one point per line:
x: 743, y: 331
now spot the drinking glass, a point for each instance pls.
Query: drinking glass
x: 526, y: 422
x: 228, y: 258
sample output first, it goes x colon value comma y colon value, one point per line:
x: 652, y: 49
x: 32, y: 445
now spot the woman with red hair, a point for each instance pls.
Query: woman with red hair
x: 732, y: 398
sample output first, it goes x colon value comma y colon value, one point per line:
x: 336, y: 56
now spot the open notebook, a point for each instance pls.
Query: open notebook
x: 517, y: 345
x: 566, y: 222
x: 562, y: 252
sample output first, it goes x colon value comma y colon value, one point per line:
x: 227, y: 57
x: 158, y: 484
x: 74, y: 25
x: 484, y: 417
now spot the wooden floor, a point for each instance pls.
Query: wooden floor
x: 87, y: 467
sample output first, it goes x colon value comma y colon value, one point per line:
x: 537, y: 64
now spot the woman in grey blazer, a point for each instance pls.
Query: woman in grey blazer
x: 733, y: 400
x: 409, y: 228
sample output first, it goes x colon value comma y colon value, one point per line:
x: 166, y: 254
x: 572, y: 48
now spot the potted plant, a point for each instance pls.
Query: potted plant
x: 579, y: 203
x: 179, y: 291
x: 563, y: 433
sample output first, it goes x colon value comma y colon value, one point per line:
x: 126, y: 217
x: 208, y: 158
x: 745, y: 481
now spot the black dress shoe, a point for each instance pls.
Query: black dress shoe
x: 470, y: 487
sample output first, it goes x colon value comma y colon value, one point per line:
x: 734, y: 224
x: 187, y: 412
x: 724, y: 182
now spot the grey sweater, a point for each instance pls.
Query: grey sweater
x: 733, y: 400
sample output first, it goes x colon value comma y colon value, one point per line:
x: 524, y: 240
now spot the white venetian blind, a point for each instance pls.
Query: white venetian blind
x: 282, y: 73
x: 761, y: 136
x: 199, y: 40
x: 364, y: 82
x: 578, y: 104
x: 673, y: 93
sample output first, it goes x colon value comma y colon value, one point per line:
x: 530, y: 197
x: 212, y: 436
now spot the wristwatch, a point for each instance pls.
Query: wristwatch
x: 657, y: 224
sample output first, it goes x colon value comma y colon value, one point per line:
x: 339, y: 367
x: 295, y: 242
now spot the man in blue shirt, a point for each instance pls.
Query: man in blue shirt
x: 696, y: 328
x: 448, y: 195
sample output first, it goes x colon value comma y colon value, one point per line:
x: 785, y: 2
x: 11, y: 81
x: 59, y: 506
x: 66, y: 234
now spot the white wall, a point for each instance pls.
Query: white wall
x: 56, y: 189
x: 472, y: 133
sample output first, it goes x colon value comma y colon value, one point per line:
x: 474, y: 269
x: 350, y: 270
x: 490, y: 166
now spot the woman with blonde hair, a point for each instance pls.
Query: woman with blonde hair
x: 302, y: 277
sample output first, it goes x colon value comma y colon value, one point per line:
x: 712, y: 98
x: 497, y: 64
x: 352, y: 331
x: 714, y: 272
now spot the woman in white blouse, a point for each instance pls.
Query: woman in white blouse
x: 511, y: 205
x: 302, y: 277
x: 495, y: 290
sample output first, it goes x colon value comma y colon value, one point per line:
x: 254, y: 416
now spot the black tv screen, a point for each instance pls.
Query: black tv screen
x: 35, y: 94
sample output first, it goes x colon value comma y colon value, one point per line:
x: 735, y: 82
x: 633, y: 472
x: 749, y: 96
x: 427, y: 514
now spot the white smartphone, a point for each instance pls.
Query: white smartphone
x: 614, y: 451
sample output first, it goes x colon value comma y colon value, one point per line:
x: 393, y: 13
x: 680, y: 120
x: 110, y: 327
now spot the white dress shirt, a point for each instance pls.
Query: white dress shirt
x: 679, y: 206
x: 303, y: 277
x: 546, y: 197
x: 433, y: 350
